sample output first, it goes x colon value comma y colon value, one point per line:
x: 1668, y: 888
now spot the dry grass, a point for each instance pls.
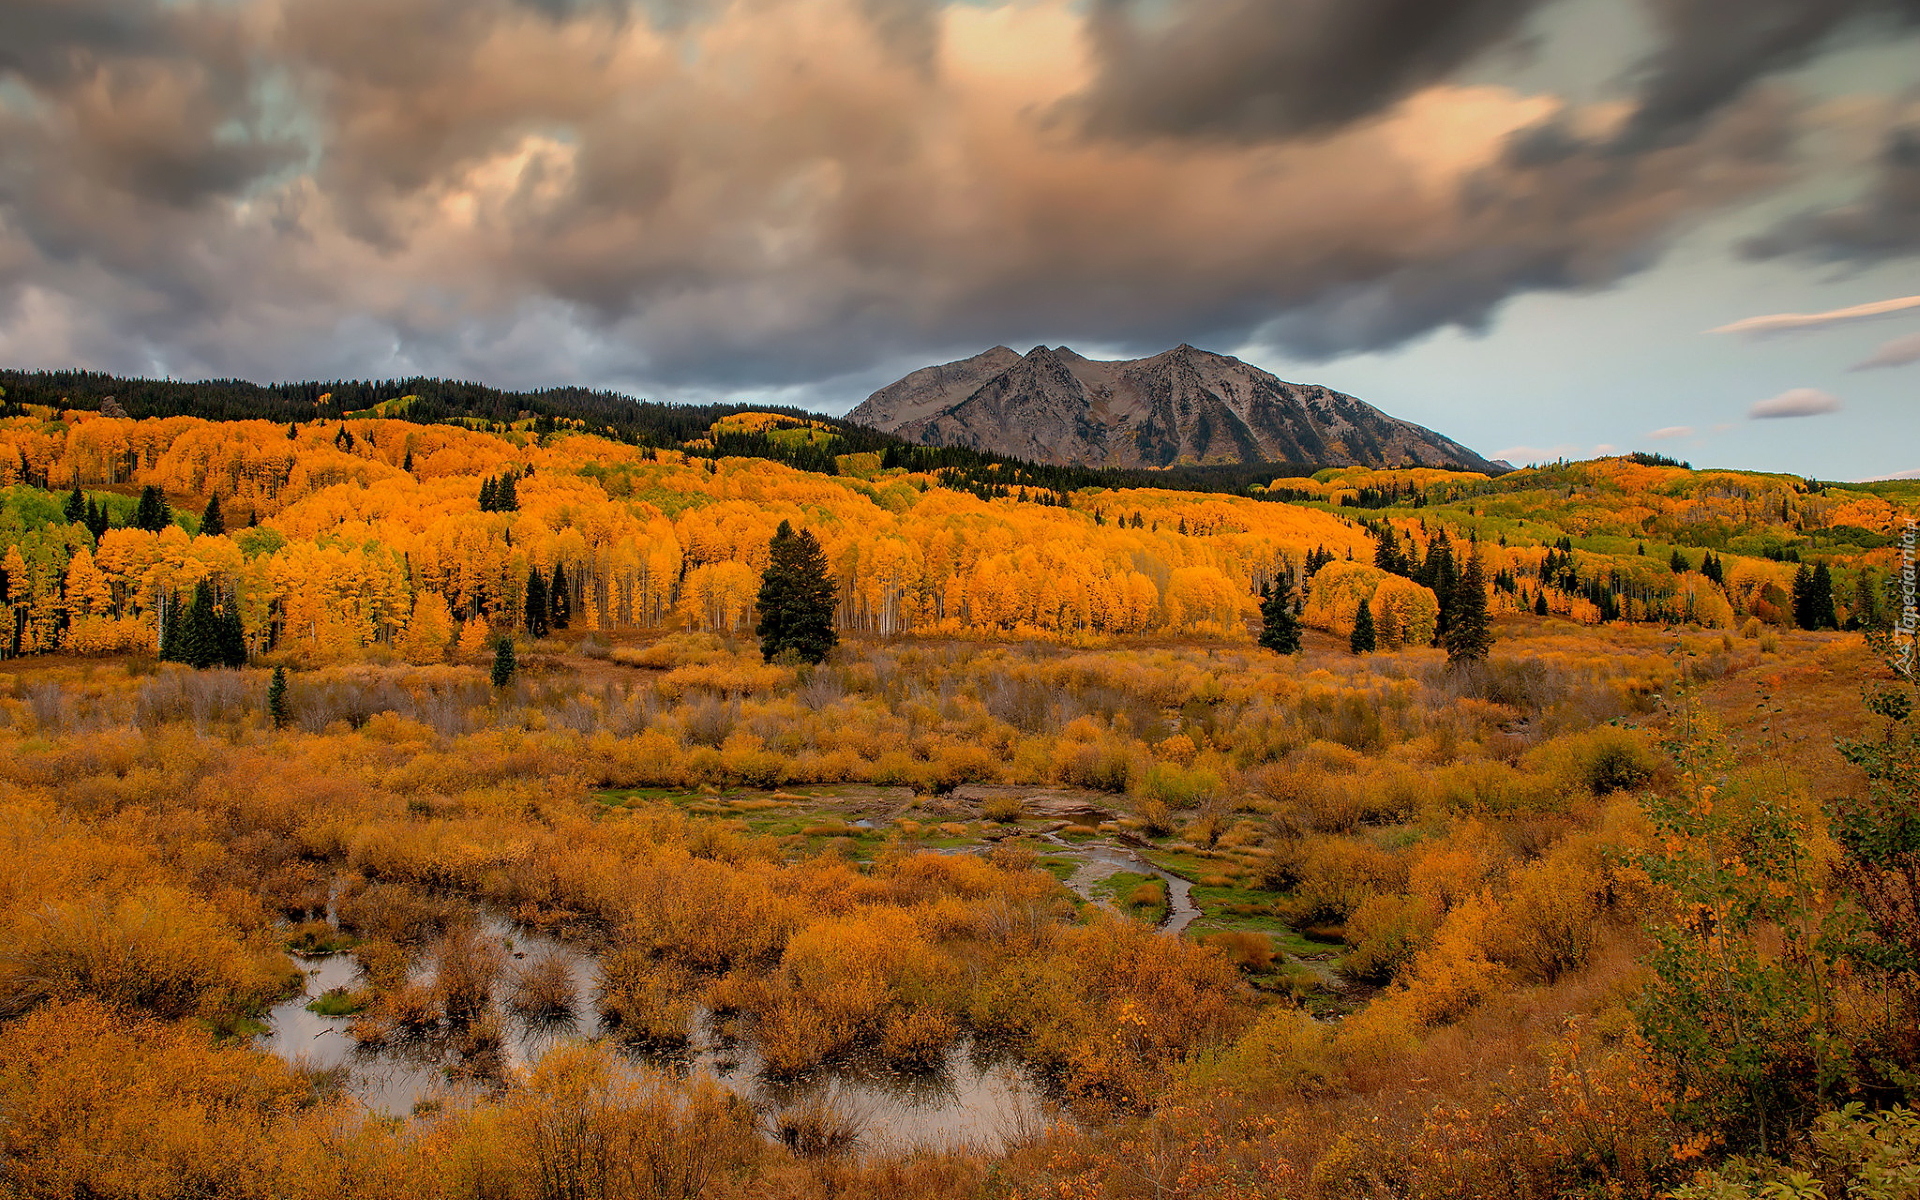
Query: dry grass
x: 542, y: 988
x: 820, y: 1126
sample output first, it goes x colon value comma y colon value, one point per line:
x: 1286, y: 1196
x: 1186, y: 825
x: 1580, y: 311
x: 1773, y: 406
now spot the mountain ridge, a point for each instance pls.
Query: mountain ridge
x: 1179, y: 407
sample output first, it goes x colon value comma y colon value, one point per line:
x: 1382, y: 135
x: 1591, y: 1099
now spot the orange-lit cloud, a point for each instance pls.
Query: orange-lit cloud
x: 771, y: 192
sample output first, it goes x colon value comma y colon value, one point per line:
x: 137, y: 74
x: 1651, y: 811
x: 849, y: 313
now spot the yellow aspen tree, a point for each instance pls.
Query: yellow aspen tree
x: 475, y: 638
x: 88, y: 593
x: 1406, y: 608
x: 429, y: 630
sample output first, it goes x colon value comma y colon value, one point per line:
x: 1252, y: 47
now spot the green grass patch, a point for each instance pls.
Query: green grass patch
x: 1140, y: 896
x: 1062, y: 868
x: 1210, y: 898
x: 336, y: 1002
x: 229, y: 1027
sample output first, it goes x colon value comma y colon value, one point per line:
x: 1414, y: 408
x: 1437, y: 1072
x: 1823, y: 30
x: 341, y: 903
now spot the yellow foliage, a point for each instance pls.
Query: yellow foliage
x: 1337, y: 591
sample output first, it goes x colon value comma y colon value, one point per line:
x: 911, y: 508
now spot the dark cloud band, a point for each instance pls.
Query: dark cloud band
x: 764, y: 193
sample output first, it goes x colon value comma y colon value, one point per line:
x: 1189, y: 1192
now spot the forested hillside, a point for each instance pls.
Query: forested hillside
x: 340, y: 536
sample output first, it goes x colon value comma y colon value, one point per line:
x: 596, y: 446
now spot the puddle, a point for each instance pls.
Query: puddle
x: 973, y: 1097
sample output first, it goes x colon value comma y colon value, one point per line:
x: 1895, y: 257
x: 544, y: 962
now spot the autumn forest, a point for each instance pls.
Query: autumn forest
x: 395, y: 804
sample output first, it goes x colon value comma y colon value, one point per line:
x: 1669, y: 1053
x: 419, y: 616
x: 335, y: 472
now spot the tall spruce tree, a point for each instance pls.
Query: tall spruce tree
x: 1279, y: 623
x: 97, y: 519
x: 212, y: 524
x: 229, y: 636
x: 172, y: 615
x: 1813, y: 598
x: 505, y: 666
x: 559, y: 598
x: 1866, y: 602
x: 278, y: 711
x: 75, y: 509
x: 152, y: 514
x: 1440, y: 574
x: 796, y: 599
x: 1803, y: 597
x: 198, y: 644
x: 1470, y: 631
x: 1362, y: 639
x: 1387, y: 555
x: 537, y: 609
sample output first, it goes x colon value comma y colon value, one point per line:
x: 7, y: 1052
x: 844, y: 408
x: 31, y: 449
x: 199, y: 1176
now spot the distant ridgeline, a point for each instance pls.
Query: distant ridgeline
x: 420, y: 400
x: 689, y: 427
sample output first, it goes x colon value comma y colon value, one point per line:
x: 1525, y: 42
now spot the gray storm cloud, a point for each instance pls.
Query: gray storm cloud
x: 1257, y: 69
x: 1882, y: 223
x: 1712, y: 51
x: 768, y: 193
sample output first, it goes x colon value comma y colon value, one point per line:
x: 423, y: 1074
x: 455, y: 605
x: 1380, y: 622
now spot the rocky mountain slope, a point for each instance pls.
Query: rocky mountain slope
x: 1051, y: 405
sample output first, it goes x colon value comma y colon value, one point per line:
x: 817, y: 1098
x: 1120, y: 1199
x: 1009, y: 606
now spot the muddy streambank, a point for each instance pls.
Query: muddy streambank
x: 1100, y: 862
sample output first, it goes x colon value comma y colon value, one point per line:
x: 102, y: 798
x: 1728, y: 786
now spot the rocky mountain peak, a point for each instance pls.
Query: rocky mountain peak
x: 1182, y: 406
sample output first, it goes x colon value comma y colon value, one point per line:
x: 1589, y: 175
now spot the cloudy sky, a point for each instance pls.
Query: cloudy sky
x: 1544, y: 227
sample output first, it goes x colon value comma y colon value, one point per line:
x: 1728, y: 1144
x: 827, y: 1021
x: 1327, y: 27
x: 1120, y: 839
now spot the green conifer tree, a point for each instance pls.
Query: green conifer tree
x: 152, y: 514
x: 230, y: 636
x: 559, y: 598
x: 1803, y: 597
x: 1470, y: 633
x: 796, y: 599
x: 212, y: 524
x: 1279, y: 623
x: 1362, y: 639
x: 504, y: 664
x: 199, y: 639
x: 1386, y: 554
x: 172, y: 616
x: 278, y: 711
x: 1866, y: 602
x: 537, y: 610
x: 1440, y: 575
x: 1820, y: 599
x: 75, y: 509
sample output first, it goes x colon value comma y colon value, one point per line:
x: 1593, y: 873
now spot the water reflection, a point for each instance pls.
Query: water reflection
x: 975, y: 1095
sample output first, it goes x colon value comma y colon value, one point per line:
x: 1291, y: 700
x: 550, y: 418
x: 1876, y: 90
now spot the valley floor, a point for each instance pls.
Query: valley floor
x: 1170, y: 918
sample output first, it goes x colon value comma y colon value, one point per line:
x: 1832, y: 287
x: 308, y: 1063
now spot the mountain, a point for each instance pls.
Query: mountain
x: 1185, y: 406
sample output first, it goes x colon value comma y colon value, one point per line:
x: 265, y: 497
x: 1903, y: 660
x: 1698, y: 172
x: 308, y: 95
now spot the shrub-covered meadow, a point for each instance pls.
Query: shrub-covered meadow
x: 1428, y: 898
